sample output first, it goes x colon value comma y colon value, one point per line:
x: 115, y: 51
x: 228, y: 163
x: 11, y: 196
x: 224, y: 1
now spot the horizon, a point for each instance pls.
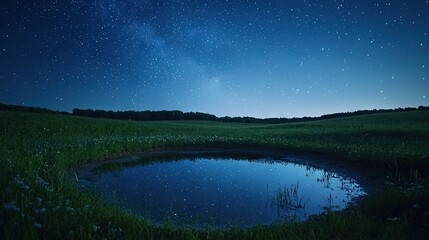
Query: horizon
x: 318, y: 116
x: 264, y: 59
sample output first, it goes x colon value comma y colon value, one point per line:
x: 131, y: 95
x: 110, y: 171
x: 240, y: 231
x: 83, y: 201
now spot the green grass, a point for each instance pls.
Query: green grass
x: 38, y: 153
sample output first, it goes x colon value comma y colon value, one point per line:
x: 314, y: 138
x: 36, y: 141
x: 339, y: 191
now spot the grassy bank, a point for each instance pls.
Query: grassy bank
x: 39, y: 200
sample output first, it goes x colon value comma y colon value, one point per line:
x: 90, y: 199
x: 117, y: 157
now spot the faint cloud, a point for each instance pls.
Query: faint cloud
x: 214, y: 83
x: 148, y: 35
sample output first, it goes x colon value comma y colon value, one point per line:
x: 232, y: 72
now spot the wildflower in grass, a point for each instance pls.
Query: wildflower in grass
x: 416, y: 206
x: 11, y: 206
x: 21, y: 182
x: 70, y: 209
x: 41, y: 182
x: 38, y: 201
x: 40, y: 211
x: 37, y: 225
x: 95, y: 228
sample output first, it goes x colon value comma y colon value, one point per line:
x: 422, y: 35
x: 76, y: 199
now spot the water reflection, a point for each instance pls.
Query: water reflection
x: 199, y: 190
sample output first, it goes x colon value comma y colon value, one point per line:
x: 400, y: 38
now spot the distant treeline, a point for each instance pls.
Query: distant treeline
x: 18, y: 108
x: 144, y: 115
x: 179, y: 115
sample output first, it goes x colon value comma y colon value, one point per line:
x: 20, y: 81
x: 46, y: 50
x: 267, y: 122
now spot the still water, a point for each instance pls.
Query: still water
x: 220, y: 190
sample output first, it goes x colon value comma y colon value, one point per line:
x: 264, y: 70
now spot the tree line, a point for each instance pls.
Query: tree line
x: 144, y: 115
x: 179, y: 115
x: 19, y: 108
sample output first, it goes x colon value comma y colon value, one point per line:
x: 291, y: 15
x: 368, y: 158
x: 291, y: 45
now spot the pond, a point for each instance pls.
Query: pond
x: 220, y: 189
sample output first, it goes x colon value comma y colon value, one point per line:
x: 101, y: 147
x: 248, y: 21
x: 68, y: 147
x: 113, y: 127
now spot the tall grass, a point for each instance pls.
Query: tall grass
x: 39, y: 199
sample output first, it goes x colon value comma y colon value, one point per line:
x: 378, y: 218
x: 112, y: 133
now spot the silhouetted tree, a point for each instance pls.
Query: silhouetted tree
x: 178, y: 115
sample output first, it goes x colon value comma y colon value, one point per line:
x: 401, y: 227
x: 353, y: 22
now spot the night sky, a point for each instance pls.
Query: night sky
x: 287, y: 58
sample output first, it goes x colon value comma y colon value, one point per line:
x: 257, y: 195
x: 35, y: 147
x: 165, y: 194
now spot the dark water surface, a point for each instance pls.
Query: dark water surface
x: 220, y: 190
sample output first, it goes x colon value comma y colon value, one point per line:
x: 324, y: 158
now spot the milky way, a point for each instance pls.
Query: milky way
x: 237, y: 58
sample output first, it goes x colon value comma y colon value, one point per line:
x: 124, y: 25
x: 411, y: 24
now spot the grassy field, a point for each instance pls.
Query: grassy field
x: 39, y: 199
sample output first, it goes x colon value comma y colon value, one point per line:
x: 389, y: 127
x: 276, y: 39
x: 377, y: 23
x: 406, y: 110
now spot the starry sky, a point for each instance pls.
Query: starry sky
x: 260, y: 58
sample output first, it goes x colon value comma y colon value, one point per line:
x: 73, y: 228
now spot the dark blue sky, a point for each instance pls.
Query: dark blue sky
x: 225, y: 57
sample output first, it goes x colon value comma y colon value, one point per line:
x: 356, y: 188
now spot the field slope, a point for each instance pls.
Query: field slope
x: 39, y: 199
